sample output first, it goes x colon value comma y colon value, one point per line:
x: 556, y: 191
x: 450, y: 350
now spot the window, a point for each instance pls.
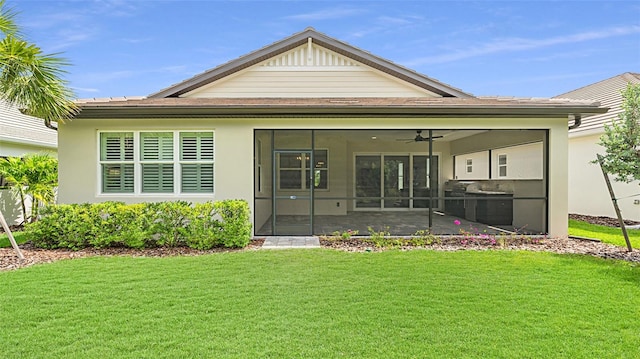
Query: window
x: 163, y: 160
x: 156, y: 161
x: 502, y: 165
x: 469, y: 165
x: 116, y: 161
x: 296, y: 166
x: 196, y: 161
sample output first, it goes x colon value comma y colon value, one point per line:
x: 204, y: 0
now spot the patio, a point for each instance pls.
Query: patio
x: 398, y: 223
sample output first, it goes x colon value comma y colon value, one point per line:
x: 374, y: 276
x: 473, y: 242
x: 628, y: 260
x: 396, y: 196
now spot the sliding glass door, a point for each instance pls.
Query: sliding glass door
x: 423, y: 181
x: 368, y: 181
x: 395, y: 181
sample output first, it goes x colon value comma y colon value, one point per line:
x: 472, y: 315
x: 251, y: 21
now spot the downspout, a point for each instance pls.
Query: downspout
x: 577, y: 121
x: 47, y: 122
x: 49, y: 125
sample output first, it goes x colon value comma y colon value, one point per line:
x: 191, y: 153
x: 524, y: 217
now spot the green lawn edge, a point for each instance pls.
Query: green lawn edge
x: 605, y: 234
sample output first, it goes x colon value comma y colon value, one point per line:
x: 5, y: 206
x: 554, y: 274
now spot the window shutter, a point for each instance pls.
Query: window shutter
x: 156, y: 146
x: 197, y: 178
x: 157, y: 177
x: 117, y: 178
x: 116, y: 146
x: 196, y: 146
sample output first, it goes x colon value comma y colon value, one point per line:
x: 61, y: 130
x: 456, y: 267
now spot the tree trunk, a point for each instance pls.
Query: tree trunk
x: 23, y: 205
x: 615, y: 206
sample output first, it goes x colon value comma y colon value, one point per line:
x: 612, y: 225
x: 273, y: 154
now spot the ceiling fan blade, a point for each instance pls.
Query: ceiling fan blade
x: 418, y: 138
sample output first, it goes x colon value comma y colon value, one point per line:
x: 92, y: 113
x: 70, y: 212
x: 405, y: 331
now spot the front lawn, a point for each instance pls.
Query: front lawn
x: 606, y: 234
x: 324, y: 304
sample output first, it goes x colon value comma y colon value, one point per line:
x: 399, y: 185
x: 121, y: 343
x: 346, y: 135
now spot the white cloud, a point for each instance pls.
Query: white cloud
x: 85, y: 89
x: 519, y: 44
x: 327, y: 14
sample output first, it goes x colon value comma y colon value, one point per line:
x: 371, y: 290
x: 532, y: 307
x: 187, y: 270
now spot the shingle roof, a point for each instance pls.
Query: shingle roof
x: 208, y: 107
x: 608, y: 93
x: 18, y: 128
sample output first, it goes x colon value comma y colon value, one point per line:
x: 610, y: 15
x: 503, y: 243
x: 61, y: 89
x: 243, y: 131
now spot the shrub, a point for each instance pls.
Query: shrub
x: 62, y: 226
x: 205, y: 231
x: 118, y: 225
x: 236, y: 222
x: 168, y: 223
x: 143, y: 225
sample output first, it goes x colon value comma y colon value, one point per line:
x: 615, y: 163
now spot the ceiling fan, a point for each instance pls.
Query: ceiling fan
x: 418, y: 138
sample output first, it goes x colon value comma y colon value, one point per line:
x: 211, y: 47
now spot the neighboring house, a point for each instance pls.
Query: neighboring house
x: 588, y: 192
x: 21, y: 134
x: 319, y: 136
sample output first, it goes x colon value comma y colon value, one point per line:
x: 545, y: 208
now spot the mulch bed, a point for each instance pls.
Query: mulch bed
x: 32, y: 255
x: 9, y: 259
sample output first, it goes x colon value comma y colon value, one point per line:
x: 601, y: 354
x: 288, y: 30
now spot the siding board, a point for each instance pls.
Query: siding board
x: 309, y: 83
x: 302, y: 72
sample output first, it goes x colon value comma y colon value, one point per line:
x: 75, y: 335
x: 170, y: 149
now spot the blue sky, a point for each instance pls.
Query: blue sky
x: 515, y: 48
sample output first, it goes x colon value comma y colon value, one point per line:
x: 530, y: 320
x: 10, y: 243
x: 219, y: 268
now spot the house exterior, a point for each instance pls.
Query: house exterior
x: 319, y: 136
x: 21, y: 134
x: 588, y: 194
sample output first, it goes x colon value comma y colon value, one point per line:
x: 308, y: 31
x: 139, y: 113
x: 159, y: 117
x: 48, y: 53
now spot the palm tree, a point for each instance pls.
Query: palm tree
x: 32, y: 177
x: 12, y: 169
x: 32, y: 81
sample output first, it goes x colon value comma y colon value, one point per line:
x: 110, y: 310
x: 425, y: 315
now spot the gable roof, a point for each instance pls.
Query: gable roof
x: 608, y: 93
x: 175, y: 102
x: 320, y: 39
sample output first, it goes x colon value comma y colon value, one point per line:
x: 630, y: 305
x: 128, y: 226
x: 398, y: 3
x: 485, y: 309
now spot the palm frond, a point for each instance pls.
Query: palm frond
x: 7, y: 19
x: 33, y: 81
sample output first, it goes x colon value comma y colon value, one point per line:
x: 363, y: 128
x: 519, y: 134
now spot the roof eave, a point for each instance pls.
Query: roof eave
x: 115, y: 112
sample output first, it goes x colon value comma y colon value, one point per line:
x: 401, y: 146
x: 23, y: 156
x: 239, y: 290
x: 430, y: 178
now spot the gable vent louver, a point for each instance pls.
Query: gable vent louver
x: 310, y: 55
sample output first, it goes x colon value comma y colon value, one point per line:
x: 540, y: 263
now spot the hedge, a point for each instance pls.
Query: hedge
x: 143, y: 225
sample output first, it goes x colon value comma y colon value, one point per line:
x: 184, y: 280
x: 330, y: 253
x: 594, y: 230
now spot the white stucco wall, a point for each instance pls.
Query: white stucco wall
x: 479, y: 168
x: 588, y: 192
x: 234, y: 158
x: 523, y: 161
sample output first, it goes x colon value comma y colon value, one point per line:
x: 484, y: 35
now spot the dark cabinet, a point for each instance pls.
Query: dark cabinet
x: 496, y: 209
x: 488, y: 208
x: 454, y: 207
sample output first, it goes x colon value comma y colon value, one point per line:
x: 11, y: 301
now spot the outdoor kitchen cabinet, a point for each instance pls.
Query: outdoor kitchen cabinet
x: 494, y: 209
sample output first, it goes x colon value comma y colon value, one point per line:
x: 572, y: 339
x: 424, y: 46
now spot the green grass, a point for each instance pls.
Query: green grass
x: 324, y: 304
x: 18, y: 236
x: 605, y: 234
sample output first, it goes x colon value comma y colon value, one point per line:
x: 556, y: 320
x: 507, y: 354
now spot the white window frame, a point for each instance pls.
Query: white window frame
x: 502, y: 165
x: 137, y: 162
x: 121, y: 162
x: 303, y: 169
